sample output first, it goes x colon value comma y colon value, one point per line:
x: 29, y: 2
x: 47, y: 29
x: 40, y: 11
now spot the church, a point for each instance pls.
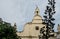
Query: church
x: 31, y: 29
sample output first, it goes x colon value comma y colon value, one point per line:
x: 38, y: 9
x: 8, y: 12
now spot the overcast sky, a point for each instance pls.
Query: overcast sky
x: 22, y: 11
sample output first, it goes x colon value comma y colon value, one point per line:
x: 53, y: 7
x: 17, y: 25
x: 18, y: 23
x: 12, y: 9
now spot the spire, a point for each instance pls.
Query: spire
x: 1, y: 20
x: 37, y: 11
x: 58, y: 25
x: 15, y: 25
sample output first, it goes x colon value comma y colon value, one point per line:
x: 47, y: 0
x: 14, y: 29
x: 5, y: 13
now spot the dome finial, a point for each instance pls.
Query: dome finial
x: 37, y: 11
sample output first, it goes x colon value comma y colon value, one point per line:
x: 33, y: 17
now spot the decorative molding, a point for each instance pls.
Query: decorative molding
x: 29, y: 36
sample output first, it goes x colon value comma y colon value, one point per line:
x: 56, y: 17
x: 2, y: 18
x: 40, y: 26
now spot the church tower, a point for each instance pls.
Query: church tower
x: 32, y: 29
x: 37, y: 18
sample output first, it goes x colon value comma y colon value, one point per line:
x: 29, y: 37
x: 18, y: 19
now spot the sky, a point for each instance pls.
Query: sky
x: 22, y: 11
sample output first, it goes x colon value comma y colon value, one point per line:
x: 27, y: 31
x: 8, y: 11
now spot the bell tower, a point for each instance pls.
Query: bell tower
x: 37, y: 18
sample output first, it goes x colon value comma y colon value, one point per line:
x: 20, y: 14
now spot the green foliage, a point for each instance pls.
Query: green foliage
x: 7, y: 31
x: 48, y: 20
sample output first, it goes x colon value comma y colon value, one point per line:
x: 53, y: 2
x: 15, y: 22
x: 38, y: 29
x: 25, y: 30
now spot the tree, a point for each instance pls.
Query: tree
x: 7, y: 31
x: 48, y: 20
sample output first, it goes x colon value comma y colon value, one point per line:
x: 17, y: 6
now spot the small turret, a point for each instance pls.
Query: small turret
x: 1, y: 20
x: 15, y: 26
x: 58, y: 25
x: 58, y: 28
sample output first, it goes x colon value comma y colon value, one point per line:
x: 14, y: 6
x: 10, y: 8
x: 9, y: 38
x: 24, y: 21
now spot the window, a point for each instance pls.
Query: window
x: 37, y: 28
